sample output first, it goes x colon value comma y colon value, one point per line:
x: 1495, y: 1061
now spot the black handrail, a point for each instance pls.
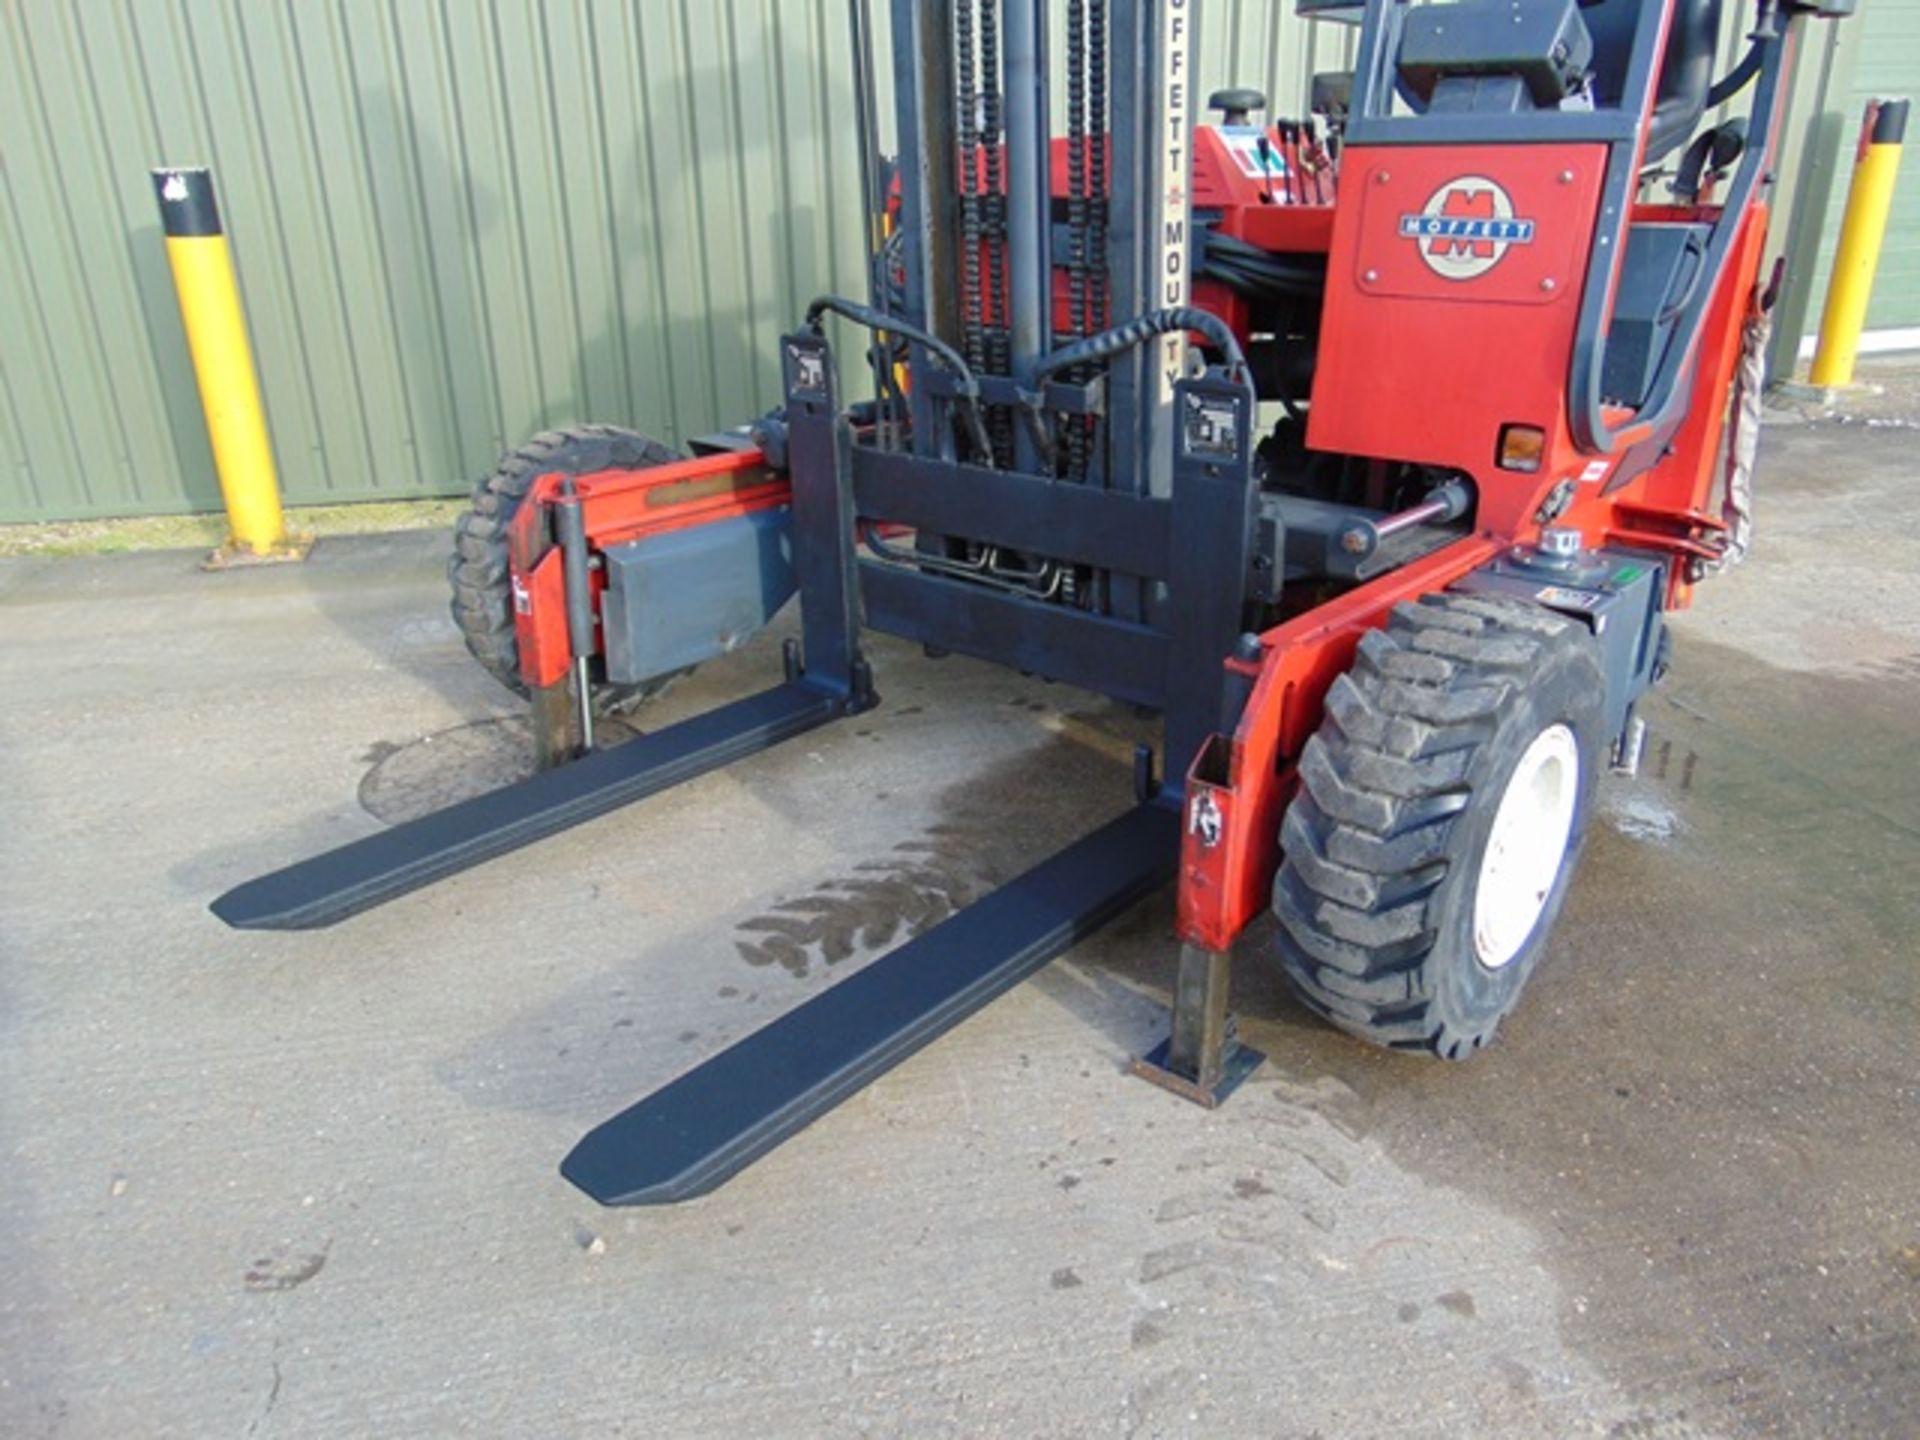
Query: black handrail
x: 1664, y: 395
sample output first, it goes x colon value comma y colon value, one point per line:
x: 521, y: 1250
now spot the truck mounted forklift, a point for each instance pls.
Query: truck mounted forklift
x: 1499, y: 293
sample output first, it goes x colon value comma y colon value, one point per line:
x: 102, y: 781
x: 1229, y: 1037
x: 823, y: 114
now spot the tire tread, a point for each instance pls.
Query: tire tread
x: 1365, y: 840
x: 478, y: 568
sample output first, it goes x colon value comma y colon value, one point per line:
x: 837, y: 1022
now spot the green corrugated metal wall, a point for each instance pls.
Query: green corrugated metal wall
x: 456, y: 221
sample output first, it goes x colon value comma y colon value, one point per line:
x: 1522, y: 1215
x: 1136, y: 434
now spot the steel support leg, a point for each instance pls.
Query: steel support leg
x: 819, y: 445
x: 1214, y: 499
x: 556, y: 725
x: 1201, y: 1060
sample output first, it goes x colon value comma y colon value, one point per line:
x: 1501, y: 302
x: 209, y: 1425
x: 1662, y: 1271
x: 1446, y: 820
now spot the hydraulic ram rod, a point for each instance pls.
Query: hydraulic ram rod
x: 1027, y: 198
x: 574, y: 561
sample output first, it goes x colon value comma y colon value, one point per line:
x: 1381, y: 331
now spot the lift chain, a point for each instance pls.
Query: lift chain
x: 999, y: 346
x: 966, y: 100
x: 1099, y: 316
x: 1077, y: 211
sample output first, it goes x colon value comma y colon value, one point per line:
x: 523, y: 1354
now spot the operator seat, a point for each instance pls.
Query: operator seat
x: 1685, y: 77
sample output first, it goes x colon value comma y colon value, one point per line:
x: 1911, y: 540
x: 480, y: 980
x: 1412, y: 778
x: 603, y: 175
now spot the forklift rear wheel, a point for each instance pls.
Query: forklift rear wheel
x: 478, y: 568
x: 1439, y: 819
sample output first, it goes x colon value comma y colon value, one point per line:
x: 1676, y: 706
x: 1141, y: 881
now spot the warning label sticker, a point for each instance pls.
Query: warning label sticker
x: 1565, y: 599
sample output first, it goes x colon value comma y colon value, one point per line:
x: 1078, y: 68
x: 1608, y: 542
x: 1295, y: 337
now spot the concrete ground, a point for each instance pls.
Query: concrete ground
x: 303, y: 1184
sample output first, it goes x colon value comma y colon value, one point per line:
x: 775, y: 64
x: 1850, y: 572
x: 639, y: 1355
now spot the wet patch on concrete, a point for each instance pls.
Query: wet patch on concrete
x: 1900, y: 668
x: 979, y: 832
x: 1668, y: 764
x: 883, y: 901
x: 981, y: 841
x: 1639, y: 814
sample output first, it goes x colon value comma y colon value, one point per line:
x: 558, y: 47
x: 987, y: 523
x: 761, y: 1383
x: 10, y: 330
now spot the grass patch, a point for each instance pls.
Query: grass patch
x: 205, y: 532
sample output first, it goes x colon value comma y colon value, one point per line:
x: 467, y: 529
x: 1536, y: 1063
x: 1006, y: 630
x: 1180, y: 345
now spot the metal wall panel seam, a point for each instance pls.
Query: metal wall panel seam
x: 408, y: 120
x: 650, y: 157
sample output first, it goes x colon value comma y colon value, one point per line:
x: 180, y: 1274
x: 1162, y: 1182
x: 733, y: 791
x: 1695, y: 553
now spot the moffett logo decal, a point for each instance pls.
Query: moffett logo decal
x: 1205, y: 821
x: 1466, y: 228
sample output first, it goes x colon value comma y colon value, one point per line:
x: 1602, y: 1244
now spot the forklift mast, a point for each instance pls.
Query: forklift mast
x: 982, y: 171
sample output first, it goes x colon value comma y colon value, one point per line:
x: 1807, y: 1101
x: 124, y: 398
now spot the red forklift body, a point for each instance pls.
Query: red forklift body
x: 1499, y: 375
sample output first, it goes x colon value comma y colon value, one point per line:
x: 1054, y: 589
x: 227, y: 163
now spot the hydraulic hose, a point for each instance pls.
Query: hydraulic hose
x: 874, y: 320
x: 1258, y: 274
x: 1138, y: 331
x: 966, y: 385
x: 1735, y: 80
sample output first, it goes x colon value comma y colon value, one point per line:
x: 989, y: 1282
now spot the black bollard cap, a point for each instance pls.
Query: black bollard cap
x: 1889, y: 122
x: 187, y: 206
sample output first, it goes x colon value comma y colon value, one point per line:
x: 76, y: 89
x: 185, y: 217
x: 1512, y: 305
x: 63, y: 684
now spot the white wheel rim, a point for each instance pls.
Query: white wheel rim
x: 1526, y: 847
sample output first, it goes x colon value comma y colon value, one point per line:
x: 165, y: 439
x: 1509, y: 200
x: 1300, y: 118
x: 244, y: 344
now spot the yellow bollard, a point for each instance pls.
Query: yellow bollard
x: 223, y: 365
x: 1869, y: 198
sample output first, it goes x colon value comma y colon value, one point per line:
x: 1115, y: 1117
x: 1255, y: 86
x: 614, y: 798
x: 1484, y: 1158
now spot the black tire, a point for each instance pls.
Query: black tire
x: 1385, y: 838
x: 478, y: 570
